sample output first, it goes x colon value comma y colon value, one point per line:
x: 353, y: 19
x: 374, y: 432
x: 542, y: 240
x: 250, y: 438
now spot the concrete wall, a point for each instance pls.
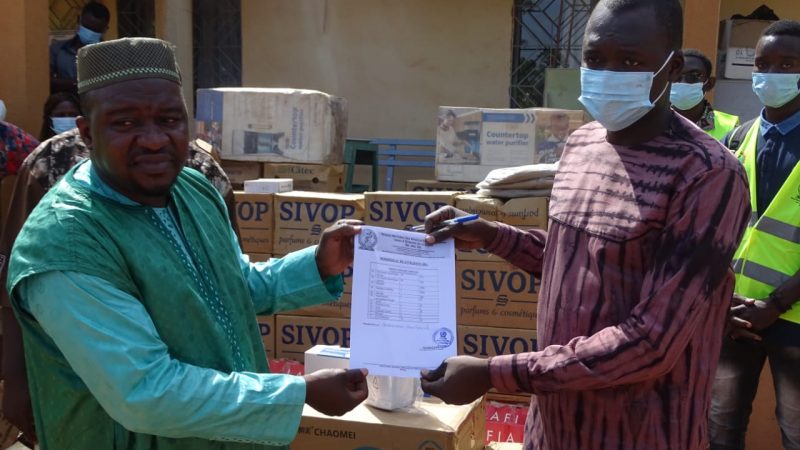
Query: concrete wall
x: 24, y: 78
x: 395, y: 62
x: 174, y: 24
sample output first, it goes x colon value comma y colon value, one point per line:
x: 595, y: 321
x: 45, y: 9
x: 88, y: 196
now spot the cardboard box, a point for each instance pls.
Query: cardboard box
x: 434, y: 186
x: 300, y: 217
x: 268, y: 186
x: 339, y: 308
x: 517, y: 399
x: 254, y: 211
x: 266, y: 326
x: 471, y: 142
x: 487, y: 341
x: 321, y: 357
x: 402, y: 210
x: 255, y: 219
x: 495, y: 294
x: 255, y: 241
x: 738, y: 39
x: 503, y: 445
x: 432, y: 426
x: 240, y: 171
x: 487, y: 208
x: 296, y: 334
x: 506, y: 422
x: 259, y: 257
x: 309, y: 177
x: 524, y: 212
x: 273, y: 125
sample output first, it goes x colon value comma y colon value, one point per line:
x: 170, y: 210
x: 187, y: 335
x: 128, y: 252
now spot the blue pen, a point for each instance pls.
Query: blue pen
x: 449, y: 222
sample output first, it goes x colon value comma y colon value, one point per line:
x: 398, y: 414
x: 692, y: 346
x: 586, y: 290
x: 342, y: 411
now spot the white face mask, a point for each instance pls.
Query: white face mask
x: 618, y: 99
x: 776, y: 89
x: 686, y: 96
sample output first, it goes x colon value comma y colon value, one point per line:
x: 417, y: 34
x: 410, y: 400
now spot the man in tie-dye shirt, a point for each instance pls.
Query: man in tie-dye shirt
x: 645, y: 215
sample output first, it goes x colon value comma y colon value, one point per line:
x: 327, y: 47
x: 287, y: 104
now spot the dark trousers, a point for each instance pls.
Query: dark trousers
x: 735, y: 387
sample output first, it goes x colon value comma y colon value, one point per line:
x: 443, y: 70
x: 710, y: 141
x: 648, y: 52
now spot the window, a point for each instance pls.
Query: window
x: 547, y: 33
x: 136, y: 18
x: 217, y: 27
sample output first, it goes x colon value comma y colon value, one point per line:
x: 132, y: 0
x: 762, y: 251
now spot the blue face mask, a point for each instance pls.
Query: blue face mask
x: 776, y: 89
x: 686, y: 96
x: 88, y: 36
x: 62, y: 124
x: 618, y: 99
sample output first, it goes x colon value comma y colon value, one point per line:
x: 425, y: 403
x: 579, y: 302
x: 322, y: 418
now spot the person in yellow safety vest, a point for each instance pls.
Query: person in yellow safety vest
x: 765, y: 315
x: 688, y: 96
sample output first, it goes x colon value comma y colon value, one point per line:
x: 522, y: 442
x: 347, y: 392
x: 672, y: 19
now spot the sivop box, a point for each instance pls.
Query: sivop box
x: 296, y: 334
x: 402, y: 210
x: 273, y: 125
x: 309, y: 177
x: 436, y: 186
x: 495, y: 294
x: 339, y: 308
x: 524, y: 212
x: 255, y: 219
x: 471, y: 142
x: 487, y: 208
x: 259, y: 257
x: 266, y: 327
x: 300, y: 217
x: 489, y: 341
x: 431, y: 425
x: 240, y: 171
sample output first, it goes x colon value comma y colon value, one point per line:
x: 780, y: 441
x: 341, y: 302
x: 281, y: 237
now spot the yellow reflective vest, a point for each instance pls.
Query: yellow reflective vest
x: 724, y: 123
x: 769, y: 253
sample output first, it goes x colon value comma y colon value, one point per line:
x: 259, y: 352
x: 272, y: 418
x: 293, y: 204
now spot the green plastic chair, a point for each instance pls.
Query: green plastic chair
x: 362, y: 152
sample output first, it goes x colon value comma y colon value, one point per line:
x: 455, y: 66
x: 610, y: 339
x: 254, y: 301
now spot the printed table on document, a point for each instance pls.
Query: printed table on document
x: 403, y: 294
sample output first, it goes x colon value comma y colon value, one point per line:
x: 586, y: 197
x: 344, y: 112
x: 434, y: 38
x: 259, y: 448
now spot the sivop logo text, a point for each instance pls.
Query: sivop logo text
x: 498, y: 280
x: 486, y: 345
x: 313, y: 335
x: 247, y: 211
x: 402, y: 211
x: 264, y: 328
x: 315, y: 211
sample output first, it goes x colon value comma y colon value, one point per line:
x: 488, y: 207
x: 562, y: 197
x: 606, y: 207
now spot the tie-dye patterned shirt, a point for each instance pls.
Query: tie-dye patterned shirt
x: 635, y: 291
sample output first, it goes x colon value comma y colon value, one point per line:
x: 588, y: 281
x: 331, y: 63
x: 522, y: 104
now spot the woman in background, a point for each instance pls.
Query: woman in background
x: 60, y: 111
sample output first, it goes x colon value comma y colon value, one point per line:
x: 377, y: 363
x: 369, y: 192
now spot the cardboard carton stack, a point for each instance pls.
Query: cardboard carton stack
x: 276, y: 133
x: 300, y: 218
x: 255, y: 218
x: 470, y: 142
x: 738, y: 38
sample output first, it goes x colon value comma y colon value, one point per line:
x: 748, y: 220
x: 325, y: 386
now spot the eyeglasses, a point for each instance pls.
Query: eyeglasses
x: 693, y: 77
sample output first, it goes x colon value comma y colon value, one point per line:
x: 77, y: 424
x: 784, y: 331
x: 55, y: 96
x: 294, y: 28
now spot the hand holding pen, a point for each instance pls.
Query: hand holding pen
x: 468, y: 230
x: 448, y: 222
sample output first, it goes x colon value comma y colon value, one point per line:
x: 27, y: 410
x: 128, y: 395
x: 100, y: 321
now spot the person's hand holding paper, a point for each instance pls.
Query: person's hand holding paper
x: 403, y: 310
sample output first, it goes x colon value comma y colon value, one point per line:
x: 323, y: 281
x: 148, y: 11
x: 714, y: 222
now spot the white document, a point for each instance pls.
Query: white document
x: 403, y: 316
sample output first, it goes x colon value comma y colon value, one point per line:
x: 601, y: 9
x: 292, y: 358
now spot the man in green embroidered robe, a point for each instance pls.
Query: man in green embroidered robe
x: 136, y: 304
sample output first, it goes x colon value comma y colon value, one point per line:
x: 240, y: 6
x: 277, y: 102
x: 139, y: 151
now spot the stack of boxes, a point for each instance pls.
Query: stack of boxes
x: 276, y: 133
x: 496, y: 302
x: 300, y: 219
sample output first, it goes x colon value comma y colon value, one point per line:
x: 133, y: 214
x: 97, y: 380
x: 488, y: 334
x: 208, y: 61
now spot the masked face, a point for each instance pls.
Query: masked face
x: 776, y: 79
x: 686, y: 96
x: 62, y: 124
x: 618, y: 99
x: 776, y: 89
